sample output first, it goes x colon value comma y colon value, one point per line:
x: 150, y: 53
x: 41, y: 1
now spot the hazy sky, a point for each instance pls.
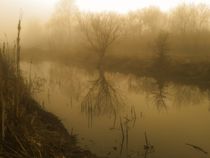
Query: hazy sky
x: 32, y: 9
x: 124, y: 6
x: 11, y: 8
x: 41, y: 9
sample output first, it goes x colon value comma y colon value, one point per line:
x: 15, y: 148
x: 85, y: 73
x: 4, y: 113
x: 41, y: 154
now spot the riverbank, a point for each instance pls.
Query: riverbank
x: 27, y: 130
x: 191, y: 70
x: 40, y: 134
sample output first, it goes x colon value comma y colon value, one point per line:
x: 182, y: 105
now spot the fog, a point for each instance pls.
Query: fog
x: 10, y: 11
x: 112, y: 78
x: 61, y: 34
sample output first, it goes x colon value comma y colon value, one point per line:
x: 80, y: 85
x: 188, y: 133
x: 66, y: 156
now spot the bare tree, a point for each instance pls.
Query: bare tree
x: 134, y: 23
x: 203, y: 12
x: 180, y: 19
x: 161, y: 48
x: 190, y: 18
x: 61, y: 24
x: 101, y: 31
x: 153, y: 20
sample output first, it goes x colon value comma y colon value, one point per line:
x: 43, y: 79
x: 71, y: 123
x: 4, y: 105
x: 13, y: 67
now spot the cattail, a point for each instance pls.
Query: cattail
x: 18, y: 47
x: 17, y: 69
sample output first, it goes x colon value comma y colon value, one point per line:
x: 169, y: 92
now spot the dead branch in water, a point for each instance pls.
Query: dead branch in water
x: 149, y: 148
x: 197, y: 148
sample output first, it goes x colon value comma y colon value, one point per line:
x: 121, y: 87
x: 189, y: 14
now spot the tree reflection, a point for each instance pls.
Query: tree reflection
x: 154, y: 88
x: 155, y: 82
x: 159, y: 94
x: 187, y: 95
x: 102, y: 98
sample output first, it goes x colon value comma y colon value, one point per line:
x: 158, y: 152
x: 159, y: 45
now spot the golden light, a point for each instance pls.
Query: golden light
x: 41, y: 6
x: 124, y: 6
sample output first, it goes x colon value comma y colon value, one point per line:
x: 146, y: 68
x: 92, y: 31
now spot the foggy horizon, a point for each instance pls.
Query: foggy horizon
x: 104, y: 78
x: 41, y: 11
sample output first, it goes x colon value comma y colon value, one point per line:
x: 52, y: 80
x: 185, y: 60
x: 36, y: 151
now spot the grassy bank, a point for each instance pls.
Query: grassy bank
x: 39, y: 134
x: 27, y: 131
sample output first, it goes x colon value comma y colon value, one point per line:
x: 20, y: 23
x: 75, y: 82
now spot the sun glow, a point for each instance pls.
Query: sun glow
x: 39, y: 8
x: 124, y: 6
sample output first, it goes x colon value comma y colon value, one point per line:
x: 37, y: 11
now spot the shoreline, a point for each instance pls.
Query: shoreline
x: 179, y: 71
x: 40, y: 134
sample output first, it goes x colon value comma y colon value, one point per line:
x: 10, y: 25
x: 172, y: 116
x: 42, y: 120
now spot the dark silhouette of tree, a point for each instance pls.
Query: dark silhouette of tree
x: 101, y: 31
x: 161, y: 49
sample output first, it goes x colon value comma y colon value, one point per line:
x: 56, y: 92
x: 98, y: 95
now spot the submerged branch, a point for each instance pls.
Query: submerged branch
x: 197, y: 148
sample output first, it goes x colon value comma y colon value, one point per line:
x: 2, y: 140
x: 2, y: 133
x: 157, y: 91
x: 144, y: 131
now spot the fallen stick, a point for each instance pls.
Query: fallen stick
x: 197, y: 148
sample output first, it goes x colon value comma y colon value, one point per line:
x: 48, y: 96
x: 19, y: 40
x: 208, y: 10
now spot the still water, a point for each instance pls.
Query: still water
x: 116, y: 115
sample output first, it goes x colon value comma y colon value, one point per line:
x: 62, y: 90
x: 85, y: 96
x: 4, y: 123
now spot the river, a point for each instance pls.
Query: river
x: 115, y: 114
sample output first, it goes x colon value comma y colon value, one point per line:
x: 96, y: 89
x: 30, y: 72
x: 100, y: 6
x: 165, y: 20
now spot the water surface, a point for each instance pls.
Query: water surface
x: 171, y: 115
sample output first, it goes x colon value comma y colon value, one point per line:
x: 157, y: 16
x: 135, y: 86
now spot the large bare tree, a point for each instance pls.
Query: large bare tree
x: 101, y: 30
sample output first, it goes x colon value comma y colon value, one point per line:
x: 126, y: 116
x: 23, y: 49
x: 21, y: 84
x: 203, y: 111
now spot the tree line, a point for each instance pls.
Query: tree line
x: 73, y: 31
